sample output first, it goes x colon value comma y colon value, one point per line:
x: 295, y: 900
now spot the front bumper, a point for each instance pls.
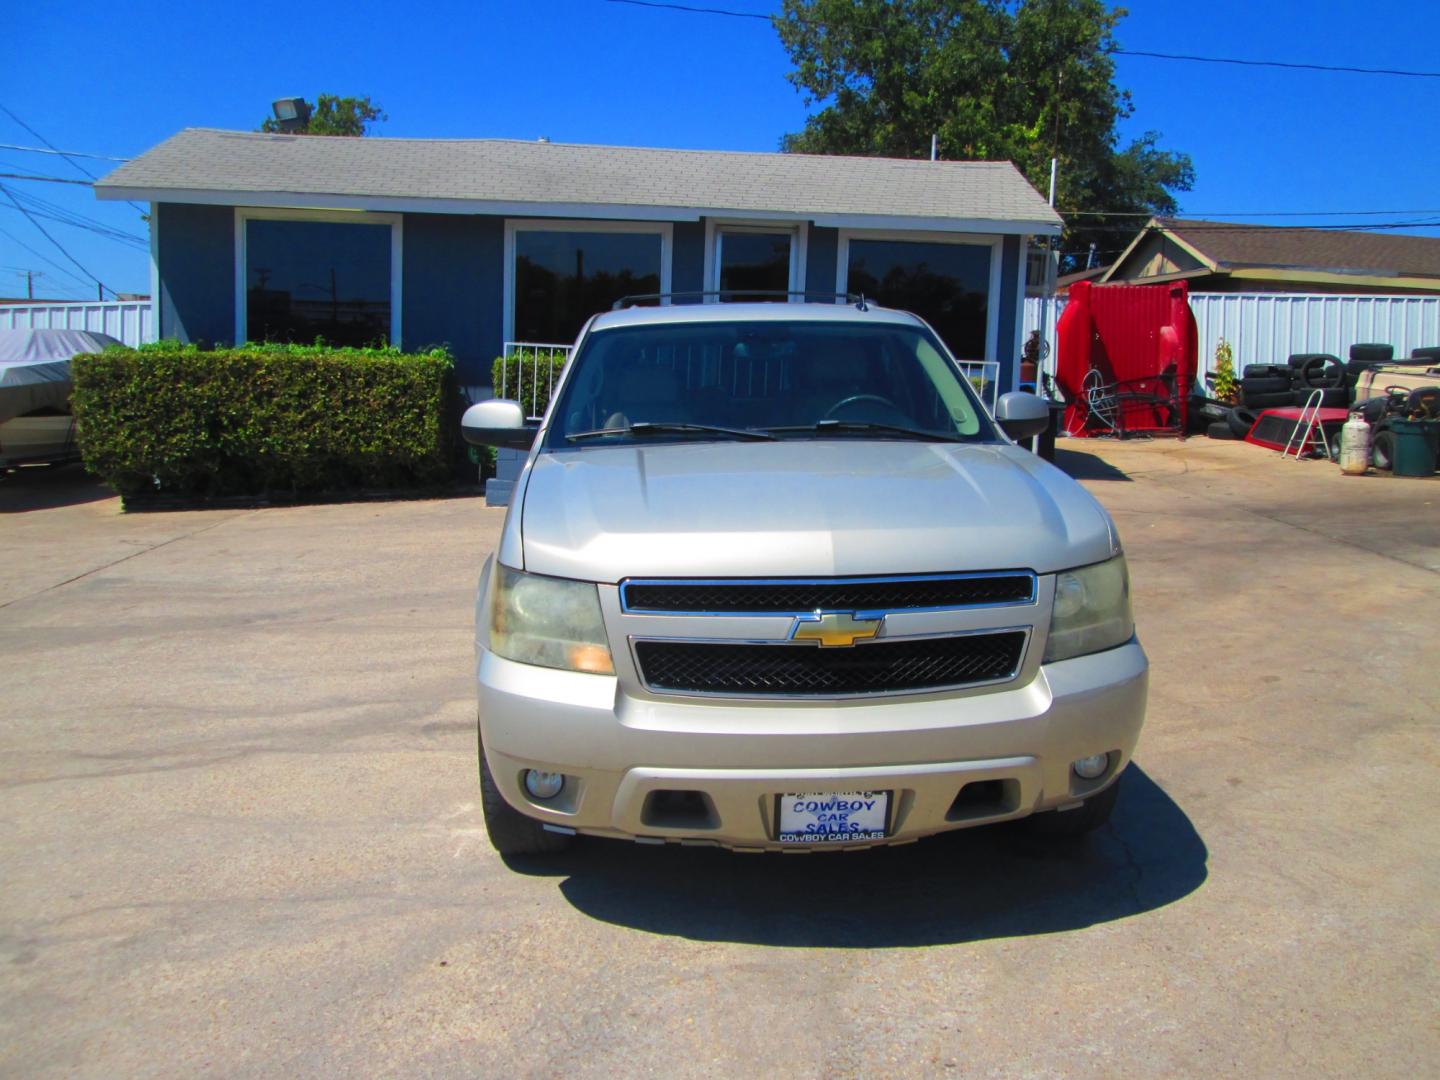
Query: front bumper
x: 616, y: 749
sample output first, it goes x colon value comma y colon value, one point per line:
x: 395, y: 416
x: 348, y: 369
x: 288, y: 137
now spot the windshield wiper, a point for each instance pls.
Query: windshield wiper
x: 823, y: 426
x: 646, y: 427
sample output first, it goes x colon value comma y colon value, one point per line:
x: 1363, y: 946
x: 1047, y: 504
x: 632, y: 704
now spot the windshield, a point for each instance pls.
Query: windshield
x: 711, y: 380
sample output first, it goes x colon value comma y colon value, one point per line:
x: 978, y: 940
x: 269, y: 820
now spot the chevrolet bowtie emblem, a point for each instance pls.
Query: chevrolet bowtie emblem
x: 835, y: 628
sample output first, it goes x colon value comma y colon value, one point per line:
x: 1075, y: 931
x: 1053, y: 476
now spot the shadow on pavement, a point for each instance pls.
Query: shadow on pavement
x: 1087, y: 466
x: 958, y: 887
x: 46, y: 487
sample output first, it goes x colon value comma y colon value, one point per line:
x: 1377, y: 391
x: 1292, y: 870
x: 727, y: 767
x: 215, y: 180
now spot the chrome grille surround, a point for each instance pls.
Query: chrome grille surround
x: 864, y: 596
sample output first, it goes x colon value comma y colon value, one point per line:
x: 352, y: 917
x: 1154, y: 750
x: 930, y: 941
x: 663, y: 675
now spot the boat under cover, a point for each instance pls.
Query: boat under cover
x: 35, y: 367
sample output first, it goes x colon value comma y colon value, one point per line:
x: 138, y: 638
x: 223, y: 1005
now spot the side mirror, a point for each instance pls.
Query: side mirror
x: 498, y: 423
x: 1022, y: 415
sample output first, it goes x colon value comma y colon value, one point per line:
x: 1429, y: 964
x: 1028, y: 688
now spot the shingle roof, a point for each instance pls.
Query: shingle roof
x: 1234, y: 246
x: 201, y: 161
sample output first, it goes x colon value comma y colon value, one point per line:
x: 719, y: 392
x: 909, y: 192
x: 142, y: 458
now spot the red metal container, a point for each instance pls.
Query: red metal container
x: 1126, y: 358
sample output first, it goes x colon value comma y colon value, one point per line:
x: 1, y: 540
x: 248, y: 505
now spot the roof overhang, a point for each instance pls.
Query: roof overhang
x: 1323, y: 277
x: 603, y: 211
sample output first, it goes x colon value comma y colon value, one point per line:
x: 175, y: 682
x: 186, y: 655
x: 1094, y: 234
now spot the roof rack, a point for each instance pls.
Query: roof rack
x: 635, y: 300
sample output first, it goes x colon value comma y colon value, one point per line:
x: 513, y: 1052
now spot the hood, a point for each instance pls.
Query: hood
x: 804, y: 508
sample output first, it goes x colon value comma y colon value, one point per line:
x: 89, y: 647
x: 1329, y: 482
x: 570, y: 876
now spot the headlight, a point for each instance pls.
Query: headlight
x: 548, y: 621
x: 1092, y: 610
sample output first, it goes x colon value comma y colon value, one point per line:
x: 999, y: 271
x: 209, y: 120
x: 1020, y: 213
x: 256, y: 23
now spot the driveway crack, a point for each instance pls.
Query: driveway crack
x: 125, y: 558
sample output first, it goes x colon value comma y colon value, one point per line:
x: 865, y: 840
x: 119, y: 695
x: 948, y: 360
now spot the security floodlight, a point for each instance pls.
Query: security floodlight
x: 292, y: 113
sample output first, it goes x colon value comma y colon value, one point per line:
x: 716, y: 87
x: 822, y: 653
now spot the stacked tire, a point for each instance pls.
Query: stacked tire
x: 1266, y: 386
x: 1319, y: 371
x: 1273, y: 386
x: 1365, y: 356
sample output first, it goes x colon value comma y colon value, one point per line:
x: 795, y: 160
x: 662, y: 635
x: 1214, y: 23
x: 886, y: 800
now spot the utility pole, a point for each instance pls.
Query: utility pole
x: 1045, y: 296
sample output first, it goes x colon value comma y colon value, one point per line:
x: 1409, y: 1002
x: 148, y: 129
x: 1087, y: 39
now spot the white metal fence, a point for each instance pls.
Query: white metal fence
x: 524, y: 365
x: 127, y: 320
x: 984, y: 376
x: 1265, y: 328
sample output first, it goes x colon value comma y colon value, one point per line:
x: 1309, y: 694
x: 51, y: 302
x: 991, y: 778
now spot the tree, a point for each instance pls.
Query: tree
x: 1016, y: 80
x: 332, y: 115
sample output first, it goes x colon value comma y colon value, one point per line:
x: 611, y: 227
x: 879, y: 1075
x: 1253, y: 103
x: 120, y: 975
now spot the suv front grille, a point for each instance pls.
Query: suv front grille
x: 747, y: 670
x: 797, y: 597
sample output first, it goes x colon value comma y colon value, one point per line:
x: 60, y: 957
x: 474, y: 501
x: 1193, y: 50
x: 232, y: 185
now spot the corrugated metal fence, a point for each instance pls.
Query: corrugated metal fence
x: 127, y: 320
x: 1265, y: 328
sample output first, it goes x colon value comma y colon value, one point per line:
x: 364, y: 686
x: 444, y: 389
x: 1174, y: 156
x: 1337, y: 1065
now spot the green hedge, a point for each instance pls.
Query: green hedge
x: 264, y: 418
x: 540, y: 371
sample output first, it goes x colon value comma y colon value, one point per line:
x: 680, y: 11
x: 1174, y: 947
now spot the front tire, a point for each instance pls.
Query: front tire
x: 1084, y: 819
x: 1382, y: 450
x: 511, y: 832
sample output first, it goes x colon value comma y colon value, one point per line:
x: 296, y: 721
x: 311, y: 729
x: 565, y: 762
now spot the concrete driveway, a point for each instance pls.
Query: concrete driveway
x: 240, y: 835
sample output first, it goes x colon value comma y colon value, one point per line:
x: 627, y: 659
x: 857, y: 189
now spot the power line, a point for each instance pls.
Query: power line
x: 58, y: 246
x: 55, y: 212
x: 1247, y: 213
x: 1289, y: 65
x: 78, y: 222
x: 690, y: 10
x: 74, y: 164
x: 46, y: 179
x: 61, y: 153
x: 1221, y: 226
x: 47, y: 261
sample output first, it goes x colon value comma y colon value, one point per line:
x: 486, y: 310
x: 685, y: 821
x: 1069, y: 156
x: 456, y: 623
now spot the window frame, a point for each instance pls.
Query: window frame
x: 664, y: 229
x: 994, y: 241
x: 715, y: 228
x: 245, y: 214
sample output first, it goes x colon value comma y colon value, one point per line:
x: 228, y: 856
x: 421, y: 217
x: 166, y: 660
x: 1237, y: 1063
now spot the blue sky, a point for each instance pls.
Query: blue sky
x: 115, y: 79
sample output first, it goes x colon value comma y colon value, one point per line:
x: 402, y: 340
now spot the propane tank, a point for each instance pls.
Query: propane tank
x: 1355, y: 446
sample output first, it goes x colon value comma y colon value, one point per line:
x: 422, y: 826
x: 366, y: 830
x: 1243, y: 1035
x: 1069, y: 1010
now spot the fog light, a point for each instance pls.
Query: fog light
x: 1092, y: 767
x: 543, y: 785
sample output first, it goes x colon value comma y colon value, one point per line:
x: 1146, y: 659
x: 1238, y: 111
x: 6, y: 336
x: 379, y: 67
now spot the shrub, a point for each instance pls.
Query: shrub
x: 527, y: 378
x: 264, y: 418
x: 1226, y: 388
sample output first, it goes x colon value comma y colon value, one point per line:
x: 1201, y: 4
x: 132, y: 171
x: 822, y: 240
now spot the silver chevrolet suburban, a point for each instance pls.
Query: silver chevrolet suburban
x: 772, y: 577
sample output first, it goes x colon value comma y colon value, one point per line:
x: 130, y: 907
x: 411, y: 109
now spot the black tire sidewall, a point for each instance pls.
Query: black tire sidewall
x: 510, y: 831
x: 1382, y: 449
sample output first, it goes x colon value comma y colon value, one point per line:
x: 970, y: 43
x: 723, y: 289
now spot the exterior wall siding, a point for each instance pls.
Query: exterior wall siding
x: 452, y: 269
x: 125, y: 320
x: 820, y: 252
x: 1265, y: 328
x: 452, y: 281
x: 687, y: 256
x: 197, y: 273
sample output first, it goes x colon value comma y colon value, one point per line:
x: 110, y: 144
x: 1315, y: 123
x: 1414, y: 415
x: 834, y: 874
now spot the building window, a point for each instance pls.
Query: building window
x: 750, y: 260
x: 946, y: 284
x: 563, y: 275
x: 306, y: 279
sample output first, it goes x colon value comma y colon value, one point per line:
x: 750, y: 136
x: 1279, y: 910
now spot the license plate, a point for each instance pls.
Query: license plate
x: 831, y: 817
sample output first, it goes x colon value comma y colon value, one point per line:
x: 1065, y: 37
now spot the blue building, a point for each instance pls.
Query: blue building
x: 477, y: 243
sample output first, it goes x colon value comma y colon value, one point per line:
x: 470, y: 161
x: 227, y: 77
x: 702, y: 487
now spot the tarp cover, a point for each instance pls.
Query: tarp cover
x: 35, y: 367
